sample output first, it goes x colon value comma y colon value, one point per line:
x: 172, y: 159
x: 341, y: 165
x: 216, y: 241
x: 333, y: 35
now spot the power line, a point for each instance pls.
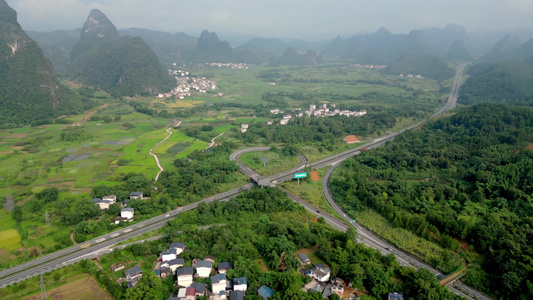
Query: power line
x: 47, y: 218
x: 44, y: 296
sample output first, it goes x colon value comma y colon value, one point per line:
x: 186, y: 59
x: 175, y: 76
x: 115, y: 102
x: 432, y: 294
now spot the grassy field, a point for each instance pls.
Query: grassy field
x: 277, y: 162
x: 10, y: 239
x: 402, y: 238
x: 83, y: 288
x: 311, y: 191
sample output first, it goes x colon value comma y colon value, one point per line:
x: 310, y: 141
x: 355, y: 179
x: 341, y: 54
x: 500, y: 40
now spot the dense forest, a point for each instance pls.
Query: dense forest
x: 122, y: 66
x: 460, y: 179
x: 505, y: 82
x: 29, y: 89
x: 258, y: 234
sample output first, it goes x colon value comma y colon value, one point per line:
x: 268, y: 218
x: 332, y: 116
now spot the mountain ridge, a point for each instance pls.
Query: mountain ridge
x: 122, y: 66
x: 29, y: 89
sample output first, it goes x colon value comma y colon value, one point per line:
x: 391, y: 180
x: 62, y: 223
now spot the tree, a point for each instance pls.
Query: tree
x: 17, y: 214
x: 334, y: 297
x: 114, y: 209
x: 48, y: 195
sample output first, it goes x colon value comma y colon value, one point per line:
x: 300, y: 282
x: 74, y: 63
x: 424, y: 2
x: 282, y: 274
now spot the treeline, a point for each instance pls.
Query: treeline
x: 463, y: 178
x: 326, y: 132
x: 504, y: 82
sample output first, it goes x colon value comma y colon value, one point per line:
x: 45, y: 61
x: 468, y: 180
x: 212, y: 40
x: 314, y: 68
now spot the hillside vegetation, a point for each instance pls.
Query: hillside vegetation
x: 29, y: 89
x: 462, y: 178
x: 432, y: 67
x: 505, y: 82
x: 122, y: 66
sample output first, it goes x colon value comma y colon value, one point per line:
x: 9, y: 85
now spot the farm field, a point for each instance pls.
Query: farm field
x: 101, y: 146
x: 248, y: 85
x: 9, y: 240
x: 84, y: 288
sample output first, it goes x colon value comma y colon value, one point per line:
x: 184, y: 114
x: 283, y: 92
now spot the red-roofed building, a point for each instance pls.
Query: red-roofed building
x: 351, y: 139
x: 190, y: 293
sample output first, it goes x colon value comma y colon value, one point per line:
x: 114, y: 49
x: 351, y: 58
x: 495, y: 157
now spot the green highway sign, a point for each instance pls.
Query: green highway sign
x: 300, y: 175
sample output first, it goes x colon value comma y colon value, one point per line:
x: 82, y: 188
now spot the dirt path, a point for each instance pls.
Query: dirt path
x: 453, y: 276
x: 155, y: 156
x: 72, y: 237
x: 89, y: 115
x: 213, y: 141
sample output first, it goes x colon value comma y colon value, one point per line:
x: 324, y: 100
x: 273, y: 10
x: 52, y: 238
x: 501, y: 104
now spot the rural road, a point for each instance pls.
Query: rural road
x: 213, y: 141
x: 155, y: 155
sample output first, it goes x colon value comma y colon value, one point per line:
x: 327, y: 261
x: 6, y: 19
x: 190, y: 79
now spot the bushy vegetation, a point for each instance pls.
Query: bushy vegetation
x: 29, y: 89
x: 200, y: 174
x: 461, y: 178
x: 258, y: 234
x: 503, y: 82
x: 325, y: 132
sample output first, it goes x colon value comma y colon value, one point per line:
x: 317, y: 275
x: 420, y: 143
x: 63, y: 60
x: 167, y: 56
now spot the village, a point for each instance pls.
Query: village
x: 228, y: 65
x: 186, y: 84
x: 207, y: 278
x: 126, y: 213
x: 313, y: 111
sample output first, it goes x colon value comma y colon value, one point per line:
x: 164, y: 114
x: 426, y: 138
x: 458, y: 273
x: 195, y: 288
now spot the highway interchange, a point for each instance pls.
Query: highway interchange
x: 105, y: 243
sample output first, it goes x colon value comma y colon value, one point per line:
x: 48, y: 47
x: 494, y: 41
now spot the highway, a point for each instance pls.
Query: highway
x: 364, y: 235
x: 104, y: 244
x: 99, y: 245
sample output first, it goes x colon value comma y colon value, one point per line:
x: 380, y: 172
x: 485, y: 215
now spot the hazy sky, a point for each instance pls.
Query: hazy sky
x: 305, y: 19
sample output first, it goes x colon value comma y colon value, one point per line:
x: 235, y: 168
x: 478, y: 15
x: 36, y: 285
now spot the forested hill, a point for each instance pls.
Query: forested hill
x: 506, y: 82
x: 467, y: 178
x: 122, y: 66
x: 29, y: 89
x: 427, y: 66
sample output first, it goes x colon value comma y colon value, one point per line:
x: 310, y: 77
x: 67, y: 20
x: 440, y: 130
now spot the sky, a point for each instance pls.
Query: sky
x: 310, y: 20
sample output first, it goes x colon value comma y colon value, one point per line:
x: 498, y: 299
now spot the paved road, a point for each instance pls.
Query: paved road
x: 99, y: 245
x: 257, y: 177
x: 103, y: 244
x: 364, y: 235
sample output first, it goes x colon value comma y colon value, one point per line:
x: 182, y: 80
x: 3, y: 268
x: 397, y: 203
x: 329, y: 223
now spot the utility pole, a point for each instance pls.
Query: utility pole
x: 47, y: 218
x: 44, y: 296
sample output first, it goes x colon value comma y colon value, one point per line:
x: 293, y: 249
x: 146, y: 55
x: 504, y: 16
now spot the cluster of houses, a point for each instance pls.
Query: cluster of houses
x: 229, y: 65
x: 375, y: 67
x: 244, y: 127
x: 412, y: 76
x: 313, y: 111
x: 169, y: 264
x: 126, y: 213
x: 321, y: 279
x: 185, y: 85
x: 321, y: 282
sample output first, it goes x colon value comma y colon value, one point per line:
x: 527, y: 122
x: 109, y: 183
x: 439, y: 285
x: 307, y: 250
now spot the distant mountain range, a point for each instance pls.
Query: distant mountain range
x: 122, y: 66
x: 29, y: 89
x: 381, y: 47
